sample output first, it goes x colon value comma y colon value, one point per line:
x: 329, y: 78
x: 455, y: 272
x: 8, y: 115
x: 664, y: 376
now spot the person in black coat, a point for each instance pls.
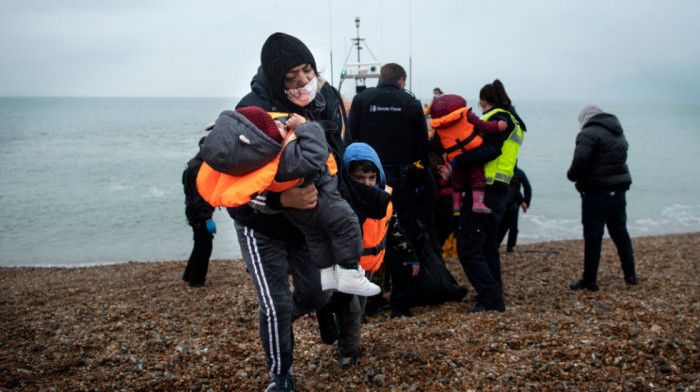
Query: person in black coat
x: 515, y: 200
x: 600, y: 171
x: 199, y: 216
x: 476, y: 233
x: 271, y: 246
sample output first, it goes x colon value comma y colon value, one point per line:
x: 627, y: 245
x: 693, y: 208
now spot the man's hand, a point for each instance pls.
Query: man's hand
x: 299, y: 198
x: 524, y: 206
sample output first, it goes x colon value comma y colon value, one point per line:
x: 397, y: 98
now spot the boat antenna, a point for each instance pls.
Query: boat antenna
x: 410, y: 46
x: 357, y: 41
x: 330, y: 35
x: 363, y: 71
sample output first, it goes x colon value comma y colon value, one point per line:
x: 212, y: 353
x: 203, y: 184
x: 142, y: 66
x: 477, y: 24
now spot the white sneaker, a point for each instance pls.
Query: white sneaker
x: 329, y: 281
x: 353, y: 281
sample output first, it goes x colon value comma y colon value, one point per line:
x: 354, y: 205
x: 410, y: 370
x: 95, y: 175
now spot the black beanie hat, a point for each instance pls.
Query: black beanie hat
x: 280, y: 53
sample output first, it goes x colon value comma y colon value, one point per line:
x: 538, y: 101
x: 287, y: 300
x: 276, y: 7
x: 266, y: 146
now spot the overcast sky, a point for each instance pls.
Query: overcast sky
x: 546, y: 49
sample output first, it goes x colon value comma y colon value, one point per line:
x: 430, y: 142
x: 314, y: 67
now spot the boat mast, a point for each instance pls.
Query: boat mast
x: 359, y: 71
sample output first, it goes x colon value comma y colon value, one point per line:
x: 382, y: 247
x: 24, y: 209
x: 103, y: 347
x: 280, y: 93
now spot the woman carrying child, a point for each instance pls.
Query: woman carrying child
x: 477, y: 233
x: 272, y: 247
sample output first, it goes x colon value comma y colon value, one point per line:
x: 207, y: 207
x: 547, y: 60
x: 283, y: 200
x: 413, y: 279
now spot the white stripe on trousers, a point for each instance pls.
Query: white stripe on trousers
x: 267, y: 301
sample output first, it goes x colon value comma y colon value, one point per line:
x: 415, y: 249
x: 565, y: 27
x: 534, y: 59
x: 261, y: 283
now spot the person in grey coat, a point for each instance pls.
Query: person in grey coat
x: 599, y: 169
x: 248, y: 139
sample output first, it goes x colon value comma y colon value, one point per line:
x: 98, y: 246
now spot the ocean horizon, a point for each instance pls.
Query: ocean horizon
x: 91, y: 181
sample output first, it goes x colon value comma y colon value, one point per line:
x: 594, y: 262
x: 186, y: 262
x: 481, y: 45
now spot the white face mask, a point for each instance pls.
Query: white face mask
x: 302, y: 96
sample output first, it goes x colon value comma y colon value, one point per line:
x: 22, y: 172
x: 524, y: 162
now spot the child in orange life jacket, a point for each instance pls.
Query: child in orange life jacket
x: 365, y: 170
x: 331, y: 229
x: 458, y: 128
x: 370, y: 198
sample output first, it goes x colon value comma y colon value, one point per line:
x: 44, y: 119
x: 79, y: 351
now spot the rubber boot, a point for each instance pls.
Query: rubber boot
x: 478, y: 205
x: 456, y: 202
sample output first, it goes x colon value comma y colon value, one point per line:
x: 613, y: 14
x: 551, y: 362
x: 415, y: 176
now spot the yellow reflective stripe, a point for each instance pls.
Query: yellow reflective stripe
x: 500, y: 177
x: 501, y: 169
x: 515, y: 136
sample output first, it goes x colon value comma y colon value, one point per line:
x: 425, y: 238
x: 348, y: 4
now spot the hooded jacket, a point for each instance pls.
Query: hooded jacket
x: 366, y: 201
x: 492, y: 146
x: 238, y: 148
x: 600, y: 157
x: 376, y: 199
x: 328, y: 106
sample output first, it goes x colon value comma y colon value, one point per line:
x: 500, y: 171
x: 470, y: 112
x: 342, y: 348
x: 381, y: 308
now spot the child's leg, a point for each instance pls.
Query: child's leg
x: 478, y: 182
x: 343, y: 234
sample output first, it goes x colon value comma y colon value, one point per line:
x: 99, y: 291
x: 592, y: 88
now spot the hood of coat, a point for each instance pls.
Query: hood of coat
x: 592, y: 114
x: 280, y: 53
x: 589, y: 110
x: 236, y: 146
x: 363, y: 152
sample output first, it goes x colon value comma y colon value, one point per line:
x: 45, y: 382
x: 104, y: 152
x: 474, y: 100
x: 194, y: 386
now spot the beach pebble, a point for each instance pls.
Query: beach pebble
x: 137, y: 326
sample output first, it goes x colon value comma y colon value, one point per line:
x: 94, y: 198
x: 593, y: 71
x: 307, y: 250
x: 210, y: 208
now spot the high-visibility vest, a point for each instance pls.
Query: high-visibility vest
x: 374, y: 239
x: 501, y: 169
x: 456, y: 133
x: 224, y: 190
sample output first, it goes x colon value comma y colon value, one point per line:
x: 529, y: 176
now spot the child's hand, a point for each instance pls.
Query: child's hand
x: 415, y: 267
x: 502, y: 125
x: 295, y: 120
x: 443, y: 171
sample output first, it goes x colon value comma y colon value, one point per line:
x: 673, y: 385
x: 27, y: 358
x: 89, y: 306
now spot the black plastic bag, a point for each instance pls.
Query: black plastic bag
x: 435, y: 284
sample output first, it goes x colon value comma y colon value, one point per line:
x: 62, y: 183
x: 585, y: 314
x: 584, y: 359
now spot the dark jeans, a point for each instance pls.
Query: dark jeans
x: 444, y: 222
x: 477, y: 247
x: 403, y: 198
x: 509, y: 224
x: 348, y: 311
x: 600, y: 209
x: 198, y: 264
x: 402, y: 283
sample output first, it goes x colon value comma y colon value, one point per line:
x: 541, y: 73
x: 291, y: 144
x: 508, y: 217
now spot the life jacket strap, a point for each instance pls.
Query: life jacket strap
x: 375, y: 250
x: 459, y: 144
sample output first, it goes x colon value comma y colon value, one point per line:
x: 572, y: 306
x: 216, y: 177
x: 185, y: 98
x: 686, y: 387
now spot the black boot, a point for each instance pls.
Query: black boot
x: 583, y: 285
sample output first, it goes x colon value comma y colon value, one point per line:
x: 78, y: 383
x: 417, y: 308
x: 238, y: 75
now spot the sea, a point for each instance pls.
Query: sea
x: 93, y: 181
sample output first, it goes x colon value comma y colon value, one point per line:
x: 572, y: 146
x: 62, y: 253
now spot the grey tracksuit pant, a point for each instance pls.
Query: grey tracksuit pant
x: 269, y: 263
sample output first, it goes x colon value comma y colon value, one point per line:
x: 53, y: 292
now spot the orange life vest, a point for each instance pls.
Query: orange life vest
x: 224, y: 190
x: 456, y: 133
x: 374, y: 240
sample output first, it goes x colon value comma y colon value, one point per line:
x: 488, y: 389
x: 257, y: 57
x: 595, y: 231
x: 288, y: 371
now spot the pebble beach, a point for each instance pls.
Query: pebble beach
x: 137, y: 326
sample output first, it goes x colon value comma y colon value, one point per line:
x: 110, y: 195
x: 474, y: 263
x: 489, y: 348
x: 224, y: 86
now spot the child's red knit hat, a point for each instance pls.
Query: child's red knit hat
x: 263, y: 121
x: 446, y: 104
